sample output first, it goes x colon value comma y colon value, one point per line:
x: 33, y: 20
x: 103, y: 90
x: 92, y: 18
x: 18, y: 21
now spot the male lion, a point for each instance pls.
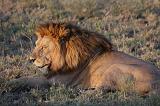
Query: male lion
x: 78, y: 58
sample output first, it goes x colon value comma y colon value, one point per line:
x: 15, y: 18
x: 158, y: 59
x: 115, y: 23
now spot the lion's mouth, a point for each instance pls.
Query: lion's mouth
x: 46, y: 65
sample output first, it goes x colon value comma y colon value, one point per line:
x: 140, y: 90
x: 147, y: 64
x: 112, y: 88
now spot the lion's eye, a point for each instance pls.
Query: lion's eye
x: 41, y: 52
x: 44, y: 47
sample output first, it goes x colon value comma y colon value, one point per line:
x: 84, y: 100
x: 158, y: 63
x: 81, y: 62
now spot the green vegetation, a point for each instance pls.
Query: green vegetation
x: 133, y: 26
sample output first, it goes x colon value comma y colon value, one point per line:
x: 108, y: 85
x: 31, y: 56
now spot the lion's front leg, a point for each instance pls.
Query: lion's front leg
x: 28, y: 83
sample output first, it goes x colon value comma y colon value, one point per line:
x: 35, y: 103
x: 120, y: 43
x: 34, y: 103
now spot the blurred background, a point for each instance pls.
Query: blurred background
x: 133, y: 26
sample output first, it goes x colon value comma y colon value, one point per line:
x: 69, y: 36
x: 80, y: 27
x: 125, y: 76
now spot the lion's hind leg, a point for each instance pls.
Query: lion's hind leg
x: 129, y: 77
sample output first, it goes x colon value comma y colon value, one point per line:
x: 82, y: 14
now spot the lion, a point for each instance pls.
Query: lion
x: 79, y: 58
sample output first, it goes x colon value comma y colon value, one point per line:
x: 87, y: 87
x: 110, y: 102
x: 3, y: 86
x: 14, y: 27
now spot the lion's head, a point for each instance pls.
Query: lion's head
x: 63, y: 47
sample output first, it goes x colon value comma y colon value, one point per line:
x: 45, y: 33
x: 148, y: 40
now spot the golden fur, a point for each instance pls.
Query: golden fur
x: 80, y: 58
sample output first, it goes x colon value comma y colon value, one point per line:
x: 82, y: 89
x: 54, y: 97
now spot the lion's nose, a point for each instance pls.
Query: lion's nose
x: 31, y: 59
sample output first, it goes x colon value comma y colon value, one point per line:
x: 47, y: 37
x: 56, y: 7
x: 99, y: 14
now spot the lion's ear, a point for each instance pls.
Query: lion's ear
x: 37, y: 34
x: 50, y: 27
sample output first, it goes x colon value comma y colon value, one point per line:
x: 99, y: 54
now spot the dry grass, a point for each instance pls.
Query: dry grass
x: 132, y: 25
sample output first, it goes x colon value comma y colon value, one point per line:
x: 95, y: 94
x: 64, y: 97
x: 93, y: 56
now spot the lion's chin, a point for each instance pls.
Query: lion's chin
x: 44, y: 70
